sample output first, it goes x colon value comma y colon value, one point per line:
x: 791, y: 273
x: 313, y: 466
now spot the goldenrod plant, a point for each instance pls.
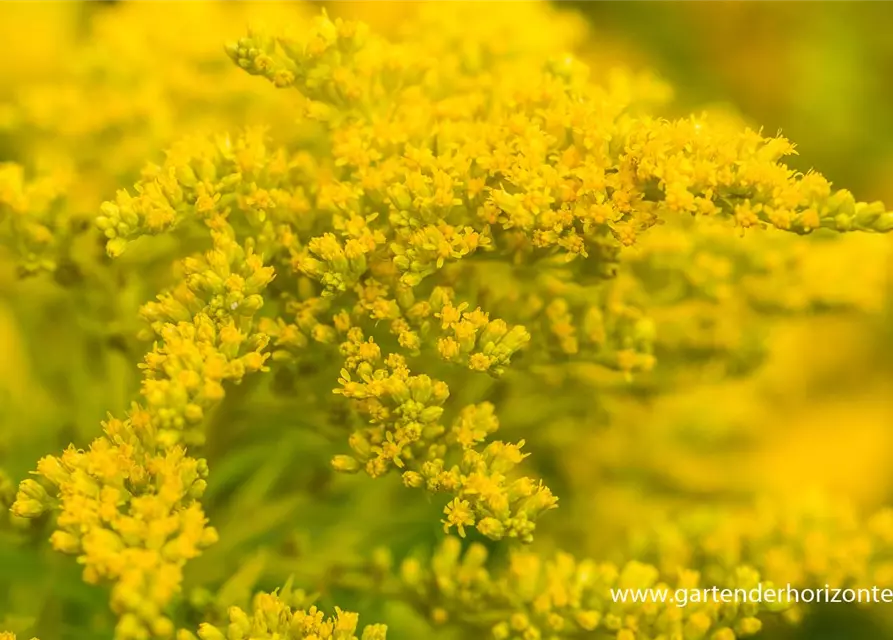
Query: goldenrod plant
x: 404, y: 325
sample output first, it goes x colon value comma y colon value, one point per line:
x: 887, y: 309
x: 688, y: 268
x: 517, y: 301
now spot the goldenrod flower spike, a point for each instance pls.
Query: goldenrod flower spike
x: 129, y: 511
x: 565, y: 598
x: 128, y: 506
x: 459, y: 199
x: 566, y: 166
x: 273, y: 618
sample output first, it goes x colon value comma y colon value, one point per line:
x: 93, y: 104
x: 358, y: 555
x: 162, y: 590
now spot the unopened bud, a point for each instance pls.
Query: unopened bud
x: 345, y: 464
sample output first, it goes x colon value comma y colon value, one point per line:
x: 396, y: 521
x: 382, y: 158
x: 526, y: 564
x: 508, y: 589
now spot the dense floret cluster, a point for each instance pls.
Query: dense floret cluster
x: 467, y: 233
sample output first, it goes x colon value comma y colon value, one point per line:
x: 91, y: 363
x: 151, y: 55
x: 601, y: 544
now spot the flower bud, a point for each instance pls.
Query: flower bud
x: 33, y: 490
x: 697, y: 626
x: 375, y: 632
x: 491, y: 528
x: 588, y: 620
x: 345, y: 464
x: 27, y: 508
x: 207, y: 632
x: 360, y: 444
x: 748, y: 627
x: 884, y: 223
x: 413, y: 479
x: 239, y: 622
x: 65, y: 542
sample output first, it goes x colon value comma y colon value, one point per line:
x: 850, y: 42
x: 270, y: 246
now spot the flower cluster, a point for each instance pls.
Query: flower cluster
x: 129, y: 511
x: 459, y: 199
x: 406, y: 432
x: 565, y: 598
x: 571, y: 169
x: 128, y: 506
x: 274, y: 617
x: 207, y: 338
x: 566, y: 167
x: 811, y: 543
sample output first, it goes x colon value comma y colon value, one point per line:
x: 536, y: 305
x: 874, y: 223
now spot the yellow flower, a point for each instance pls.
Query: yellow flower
x: 459, y: 515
